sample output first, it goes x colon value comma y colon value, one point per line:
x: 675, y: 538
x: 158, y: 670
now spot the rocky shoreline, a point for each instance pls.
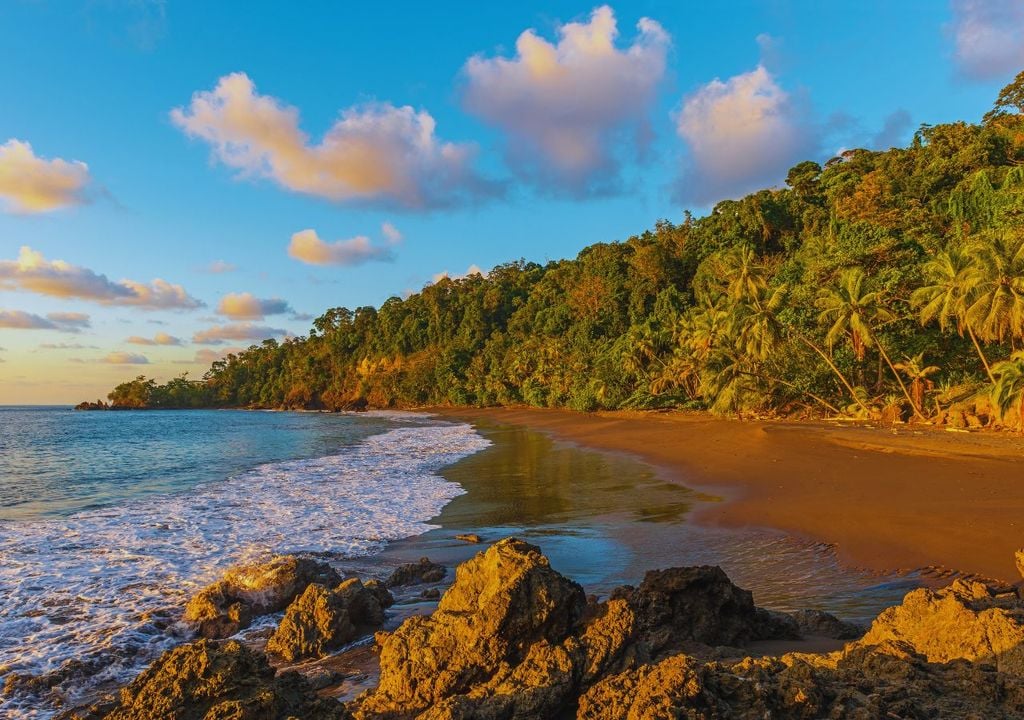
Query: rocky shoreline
x: 511, y: 639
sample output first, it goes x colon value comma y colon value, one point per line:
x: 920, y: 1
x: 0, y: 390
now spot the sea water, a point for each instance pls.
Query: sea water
x: 110, y: 521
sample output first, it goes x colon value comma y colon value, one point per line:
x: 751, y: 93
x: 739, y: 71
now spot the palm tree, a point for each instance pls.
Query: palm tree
x: 852, y: 310
x: 996, y: 309
x: 946, y: 298
x: 1007, y: 391
x: 918, y: 373
x: 757, y: 327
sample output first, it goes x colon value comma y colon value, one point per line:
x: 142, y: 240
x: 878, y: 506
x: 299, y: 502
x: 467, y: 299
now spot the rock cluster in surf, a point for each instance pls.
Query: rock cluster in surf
x: 512, y: 639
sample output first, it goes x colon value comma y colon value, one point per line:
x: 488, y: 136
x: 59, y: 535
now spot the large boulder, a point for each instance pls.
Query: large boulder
x: 964, y: 621
x: 504, y: 602
x: 415, y: 573
x: 227, y: 606
x: 322, y: 619
x: 209, y: 681
x: 699, y: 604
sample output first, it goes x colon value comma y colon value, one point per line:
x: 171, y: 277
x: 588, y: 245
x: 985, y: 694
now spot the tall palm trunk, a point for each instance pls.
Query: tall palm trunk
x: 906, y: 393
x: 984, y: 360
x: 836, y: 370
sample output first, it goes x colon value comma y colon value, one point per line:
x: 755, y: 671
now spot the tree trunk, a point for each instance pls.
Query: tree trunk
x: 917, y: 410
x: 984, y: 360
x: 840, y: 375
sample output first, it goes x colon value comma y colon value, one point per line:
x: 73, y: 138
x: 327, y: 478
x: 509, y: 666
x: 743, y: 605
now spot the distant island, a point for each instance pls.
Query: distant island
x: 884, y: 285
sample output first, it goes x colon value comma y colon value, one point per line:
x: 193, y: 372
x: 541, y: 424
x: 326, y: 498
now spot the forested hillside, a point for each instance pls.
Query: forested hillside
x: 882, y: 284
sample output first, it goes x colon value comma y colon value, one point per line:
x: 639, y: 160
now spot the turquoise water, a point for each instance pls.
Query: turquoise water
x: 56, y: 461
x: 110, y: 521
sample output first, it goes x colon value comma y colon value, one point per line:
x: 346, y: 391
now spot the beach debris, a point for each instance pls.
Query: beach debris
x: 227, y: 606
x: 424, y: 571
x: 469, y: 538
x: 322, y: 619
x: 206, y: 680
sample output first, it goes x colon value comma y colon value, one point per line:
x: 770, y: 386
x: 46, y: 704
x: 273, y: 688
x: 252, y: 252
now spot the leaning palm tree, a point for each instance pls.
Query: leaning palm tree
x: 756, y: 324
x: 946, y: 298
x: 851, y: 310
x: 996, y: 308
x: 1007, y: 391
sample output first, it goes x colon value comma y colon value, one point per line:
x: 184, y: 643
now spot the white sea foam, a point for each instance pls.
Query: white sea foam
x: 98, y: 586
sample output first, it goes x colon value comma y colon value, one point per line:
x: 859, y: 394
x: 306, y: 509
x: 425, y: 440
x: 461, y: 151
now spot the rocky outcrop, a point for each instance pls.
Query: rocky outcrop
x: 505, y: 611
x: 513, y: 640
x: 210, y: 681
x: 699, y: 604
x: 1019, y: 557
x: 227, y: 606
x: 965, y: 621
x: 415, y: 573
x: 322, y: 619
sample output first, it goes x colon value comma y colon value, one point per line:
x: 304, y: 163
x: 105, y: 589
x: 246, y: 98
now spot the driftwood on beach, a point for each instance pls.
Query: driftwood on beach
x: 513, y: 639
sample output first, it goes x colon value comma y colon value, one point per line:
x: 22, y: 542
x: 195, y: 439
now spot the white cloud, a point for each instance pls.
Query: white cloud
x: 30, y: 184
x: 374, y: 152
x: 471, y: 270
x: 569, y: 108
x: 34, y: 273
x: 306, y: 246
x: 67, y: 346
x: 246, y: 306
x: 161, y: 338
x: 62, y: 321
x: 742, y: 134
x: 988, y: 38
x: 244, y: 331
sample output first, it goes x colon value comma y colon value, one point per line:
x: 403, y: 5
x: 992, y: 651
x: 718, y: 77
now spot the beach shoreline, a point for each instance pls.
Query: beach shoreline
x: 886, y: 499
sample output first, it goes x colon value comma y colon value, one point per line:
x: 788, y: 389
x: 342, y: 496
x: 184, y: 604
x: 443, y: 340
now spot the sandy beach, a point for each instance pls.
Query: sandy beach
x: 886, y: 499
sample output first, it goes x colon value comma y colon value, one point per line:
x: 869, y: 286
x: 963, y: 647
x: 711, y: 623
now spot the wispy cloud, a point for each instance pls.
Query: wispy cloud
x: 161, y: 338
x: 31, y: 184
x: 246, y: 306
x: 373, y: 153
x: 124, y: 358
x: 570, y: 109
x: 207, y: 356
x: 237, y: 332
x: 220, y: 267
x: 988, y: 38
x: 742, y: 134
x: 67, y: 346
x: 306, y: 246
x: 62, y: 321
x: 392, y: 234
x: 34, y: 273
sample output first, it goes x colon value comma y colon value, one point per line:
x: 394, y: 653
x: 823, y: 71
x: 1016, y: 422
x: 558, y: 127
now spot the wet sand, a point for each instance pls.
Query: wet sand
x: 605, y: 518
x: 887, y: 500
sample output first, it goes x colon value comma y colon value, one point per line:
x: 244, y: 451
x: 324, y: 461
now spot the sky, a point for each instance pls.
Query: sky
x: 181, y: 179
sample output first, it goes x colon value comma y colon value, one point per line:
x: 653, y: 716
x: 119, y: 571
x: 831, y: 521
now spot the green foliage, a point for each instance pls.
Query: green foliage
x: 784, y: 299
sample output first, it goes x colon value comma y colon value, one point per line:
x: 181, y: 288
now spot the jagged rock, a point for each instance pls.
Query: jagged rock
x: 822, y: 624
x: 469, y: 537
x: 415, y: 573
x: 504, y: 602
x: 228, y: 605
x: 209, y: 681
x: 699, y: 604
x: 963, y: 621
x: 1019, y: 557
x: 322, y: 619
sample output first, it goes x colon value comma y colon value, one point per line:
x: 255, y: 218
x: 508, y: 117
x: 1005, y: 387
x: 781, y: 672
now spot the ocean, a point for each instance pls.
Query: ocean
x: 109, y: 521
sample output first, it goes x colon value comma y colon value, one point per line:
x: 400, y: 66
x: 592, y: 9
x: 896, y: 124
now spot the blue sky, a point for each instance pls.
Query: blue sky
x: 475, y: 151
